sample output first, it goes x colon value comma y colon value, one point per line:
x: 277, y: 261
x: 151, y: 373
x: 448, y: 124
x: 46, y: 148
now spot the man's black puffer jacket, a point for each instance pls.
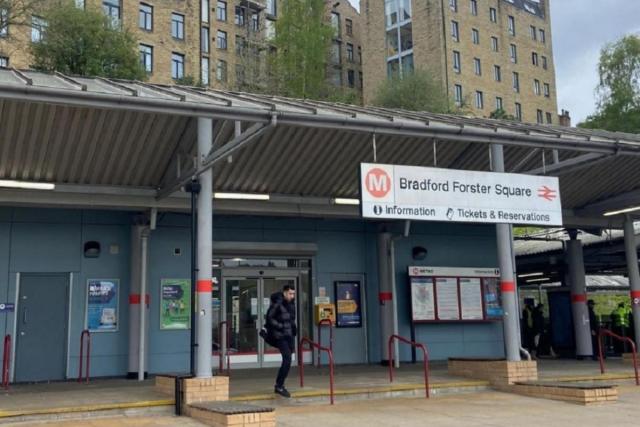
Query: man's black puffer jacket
x: 281, y: 318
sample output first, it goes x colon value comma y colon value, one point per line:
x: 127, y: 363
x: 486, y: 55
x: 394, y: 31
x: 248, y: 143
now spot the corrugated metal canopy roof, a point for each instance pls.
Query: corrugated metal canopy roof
x: 101, y: 132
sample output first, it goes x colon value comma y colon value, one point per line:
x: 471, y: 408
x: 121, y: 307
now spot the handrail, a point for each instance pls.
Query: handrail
x: 320, y: 323
x: 425, y: 359
x: 301, y: 362
x: 618, y: 337
x: 6, y: 361
x: 82, y: 346
x: 226, y: 347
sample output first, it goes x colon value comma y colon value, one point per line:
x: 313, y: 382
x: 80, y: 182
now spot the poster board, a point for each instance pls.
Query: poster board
x: 175, y: 304
x: 451, y: 294
x: 103, y: 305
x: 348, y: 303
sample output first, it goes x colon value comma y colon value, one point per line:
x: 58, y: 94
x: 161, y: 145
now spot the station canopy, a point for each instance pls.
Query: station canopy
x: 105, y: 143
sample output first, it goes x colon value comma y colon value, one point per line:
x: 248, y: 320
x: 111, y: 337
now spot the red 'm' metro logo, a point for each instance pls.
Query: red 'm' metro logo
x: 378, y: 183
x: 547, y: 193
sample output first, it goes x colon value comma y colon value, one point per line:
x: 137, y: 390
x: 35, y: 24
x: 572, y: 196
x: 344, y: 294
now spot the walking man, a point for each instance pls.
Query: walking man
x: 281, y: 330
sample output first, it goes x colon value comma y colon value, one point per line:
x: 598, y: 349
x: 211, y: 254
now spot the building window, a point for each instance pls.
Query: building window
x: 146, y: 58
x: 547, y: 90
x: 239, y: 74
x: 475, y: 36
x: 239, y: 16
x: 544, y: 63
x: 204, y: 71
x: 499, y: 104
x: 456, y: 62
x: 549, y: 118
x: 516, y: 82
x: 539, y: 116
x: 111, y: 8
x: 335, y: 23
x: 534, y: 59
x: 512, y: 25
x: 453, y: 4
x: 399, y: 37
x: 145, y: 18
x: 336, y: 54
x: 493, y: 14
x: 479, y: 100
x: 513, y: 51
x: 177, y: 66
x: 497, y: 73
x: 534, y: 32
x: 4, y: 22
x: 536, y: 87
x: 360, y: 55
x: 4, y: 62
x: 204, y: 11
x: 351, y: 78
x: 271, y: 9
x: 221, y: 40
x: 221, y: 71
x: 38, y: 28
x: 458, y: 95
x: 474, y: 7
x: 177, y: 26
x: 543, y: 37
x: 240, y: 45
x: 477, y: 66
x: 360, y: 81
x: 221, y: 11
x: 350, y: 52
x: 204, y: 39
x: 348, y: 23
x: 518, y: 111
x: 494, y: 44
x: 455, y: 32
x: 255, y: 22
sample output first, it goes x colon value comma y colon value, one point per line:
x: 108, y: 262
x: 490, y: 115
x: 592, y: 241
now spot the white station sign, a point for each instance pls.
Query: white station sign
x: 433, y: 194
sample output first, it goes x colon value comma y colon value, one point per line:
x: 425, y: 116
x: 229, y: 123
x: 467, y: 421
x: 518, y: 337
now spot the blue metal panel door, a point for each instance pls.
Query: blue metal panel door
x: 42, y: 315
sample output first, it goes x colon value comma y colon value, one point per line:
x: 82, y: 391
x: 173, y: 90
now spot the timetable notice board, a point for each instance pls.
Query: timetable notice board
x: 447, y: 294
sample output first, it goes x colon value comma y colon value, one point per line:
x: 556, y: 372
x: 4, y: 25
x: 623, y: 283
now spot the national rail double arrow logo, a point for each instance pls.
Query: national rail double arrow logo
x: 547, y: 193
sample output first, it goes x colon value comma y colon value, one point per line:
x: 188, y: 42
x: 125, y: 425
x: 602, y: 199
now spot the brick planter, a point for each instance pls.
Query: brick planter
x: 496, y: 371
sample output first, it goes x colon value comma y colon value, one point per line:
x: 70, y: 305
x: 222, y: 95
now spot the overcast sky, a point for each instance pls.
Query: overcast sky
x: 580, y: 29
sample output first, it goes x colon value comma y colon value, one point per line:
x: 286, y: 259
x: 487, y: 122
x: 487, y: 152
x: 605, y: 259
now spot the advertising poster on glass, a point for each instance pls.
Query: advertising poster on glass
x: 348, y: 304
x: 175, y: 304
x: 102, y: 305
x: 492, y: 298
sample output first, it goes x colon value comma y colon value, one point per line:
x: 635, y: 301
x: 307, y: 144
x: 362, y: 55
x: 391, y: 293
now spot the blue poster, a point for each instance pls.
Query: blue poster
x: 102, y: 305
x: 348, y: 302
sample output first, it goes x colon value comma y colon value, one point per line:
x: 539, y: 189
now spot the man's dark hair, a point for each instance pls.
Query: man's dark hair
x: 286, y: 288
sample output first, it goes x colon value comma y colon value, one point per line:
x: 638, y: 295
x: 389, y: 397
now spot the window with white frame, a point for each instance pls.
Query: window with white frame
x: 549, y: 118
x: 536, y: 87
x: 204, y: 11
x: 499, y: 103
x: 512, y: 25
x: 335, y: 24
x: 146, y: 58
x: 239, y: 17
x: 221, y: 11
x: 543, y: 37
x: 204, y: 40
x: 493, y: 15
x: 534, y: 32
x: 38, y: 28
x: 477, y: 66
x: 399, y: 37
x: 4, y: 62
x: 145, y: 17
x: 475, y: 36
x: 479, y: 100
x: 513, y: 53
x: 497, y: 73
x: 177, y: 26
x: 204, y: 70
x: 458, y: 95
x: 177, y: 66
x: 455, y: 31
x: 221, y: 40
x: 4, y: 22
x: 112, y: 8
x: 494, y: 44
x: 271, y: 8
x: 221, y: 71
x: 539, y: 116
x: 534, y: 59
x: 516, y: 81
x: 547, y: 90
x: 453, y: 5
x: 457, y: 65
x: 474, y: 7
x: 518, y: 111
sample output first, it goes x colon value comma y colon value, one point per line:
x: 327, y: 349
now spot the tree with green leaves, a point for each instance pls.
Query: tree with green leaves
x: 85, y: 43
x: 619, y: 88
x: 500, y: 114
x: 417, y: 91
x: 302, y: 42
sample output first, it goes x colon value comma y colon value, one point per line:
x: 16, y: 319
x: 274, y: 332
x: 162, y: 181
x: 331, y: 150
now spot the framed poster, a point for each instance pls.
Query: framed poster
x: 492, y: 298
x: 348, y: 304
x: 447, y: 298
x: 175, y: 304
x: 471, y: 307
x: 102, y: 305
x: 422, y: 299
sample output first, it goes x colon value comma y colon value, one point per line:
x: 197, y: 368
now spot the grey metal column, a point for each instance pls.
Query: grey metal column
x: 385, y: 292
x: 507, y: 273
x: 205, y: 254
x: 631, y: 250
x: 577, y: 281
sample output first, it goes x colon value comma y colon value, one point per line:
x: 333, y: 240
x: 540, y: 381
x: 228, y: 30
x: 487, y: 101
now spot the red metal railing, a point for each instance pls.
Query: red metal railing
x: 226, y: 347
x: 301, y: 362
x: 84, y: 334
x: 607, y: 332
x: 6, y: 361
x: 425, y: 359
x: 320, y: 323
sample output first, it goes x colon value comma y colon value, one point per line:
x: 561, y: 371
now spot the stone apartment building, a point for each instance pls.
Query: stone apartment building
x: 489, y: 54
x: 220, y: 43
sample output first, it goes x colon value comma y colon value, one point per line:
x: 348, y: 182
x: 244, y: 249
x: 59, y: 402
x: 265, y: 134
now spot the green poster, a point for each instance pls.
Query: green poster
x: 175, y: 304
